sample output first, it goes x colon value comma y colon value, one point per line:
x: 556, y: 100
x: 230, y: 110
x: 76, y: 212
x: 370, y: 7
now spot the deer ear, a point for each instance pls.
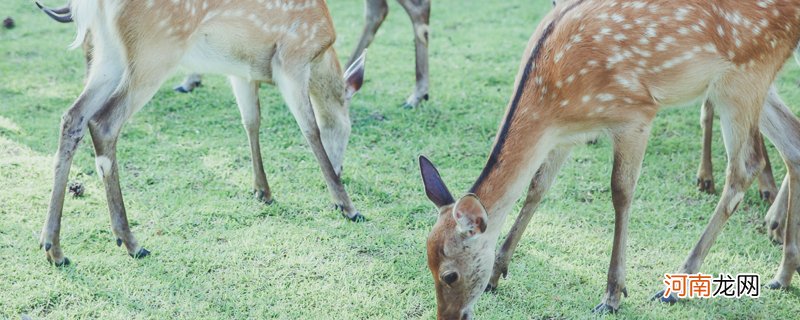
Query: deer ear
x: 434, y: 186
x: 354, y: 75
x: 470, y: 215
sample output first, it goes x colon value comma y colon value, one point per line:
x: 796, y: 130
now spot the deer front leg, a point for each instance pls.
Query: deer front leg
x: 541, y: 182
x: 246, y: 93
x: 629, y: 147
x: 191, y: 81
x: 293, y: 82
x: 419, y: 11
x: 375, y: 12
x: 705, y: 173
x: 766, y: 181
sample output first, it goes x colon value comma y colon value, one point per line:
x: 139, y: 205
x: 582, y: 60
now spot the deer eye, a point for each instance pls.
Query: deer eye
x: 449, y: 277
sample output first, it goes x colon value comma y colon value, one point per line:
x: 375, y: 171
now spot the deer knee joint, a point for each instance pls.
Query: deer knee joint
x: 103, y: 165
x: 735, y: 202
x: 422, y: 31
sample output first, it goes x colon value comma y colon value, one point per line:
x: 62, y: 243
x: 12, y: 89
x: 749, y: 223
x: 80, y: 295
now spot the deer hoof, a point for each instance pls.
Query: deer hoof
x: 262, y: 197
x: 604, y: 308
x: 767, y: 196
x: 64, y: 263
x: 671, y: 299
x: 119, y: 242
x: 181, y: 89
x: 775, y: 233
x: 490, y: 288
x: 140, y: 254
x: 705, y: 185
x: 355, y: 218
x: 774, y: 285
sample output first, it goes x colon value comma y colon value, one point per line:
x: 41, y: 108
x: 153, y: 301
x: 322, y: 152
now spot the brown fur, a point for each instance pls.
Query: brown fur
x: 136, y: 45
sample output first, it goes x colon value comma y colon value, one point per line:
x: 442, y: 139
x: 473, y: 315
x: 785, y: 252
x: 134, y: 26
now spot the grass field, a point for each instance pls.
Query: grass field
x: 217, y: 253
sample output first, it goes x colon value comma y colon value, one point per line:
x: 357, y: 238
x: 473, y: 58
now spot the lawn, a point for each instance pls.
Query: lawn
x: 218, y: 253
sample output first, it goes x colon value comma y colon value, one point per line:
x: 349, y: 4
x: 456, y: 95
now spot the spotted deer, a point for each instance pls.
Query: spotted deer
x: 63, y: 15
x: 606, y: 67
x: 137, y: 44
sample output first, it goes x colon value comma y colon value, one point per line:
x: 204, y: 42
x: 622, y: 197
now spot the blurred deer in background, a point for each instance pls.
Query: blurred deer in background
x: 137, y: 45
x: 606, y: 66
x: 419, y: 11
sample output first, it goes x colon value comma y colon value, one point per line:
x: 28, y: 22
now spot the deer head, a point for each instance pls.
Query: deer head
x: 460, y: 255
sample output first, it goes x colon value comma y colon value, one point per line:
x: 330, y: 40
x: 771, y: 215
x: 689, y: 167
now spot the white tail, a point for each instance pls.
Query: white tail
x: 606, y: 66
x: 137, y: 44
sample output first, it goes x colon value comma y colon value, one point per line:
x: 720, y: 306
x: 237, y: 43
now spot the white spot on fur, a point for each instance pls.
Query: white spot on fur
x: 103, y: 165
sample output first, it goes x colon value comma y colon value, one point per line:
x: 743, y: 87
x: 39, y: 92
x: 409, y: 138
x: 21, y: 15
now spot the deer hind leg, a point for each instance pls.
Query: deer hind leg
x: 783, y: 129
x: 541, y: 182
x: 105, y: 128
x: 375, y: 12
x: 705, y: 172
x: 246, y: 93
x: 775, y: 219
x: 739, y: 117
x: 419, y: 11
x: 293, y: 83
x: 99, y: 89
x: 766, y: 181
x: 629, y: 147
x: 776, y: 216
x: 191, y: 81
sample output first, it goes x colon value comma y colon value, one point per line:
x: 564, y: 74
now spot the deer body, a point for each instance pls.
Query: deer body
x: 137, y: 44
x: 607, y: 67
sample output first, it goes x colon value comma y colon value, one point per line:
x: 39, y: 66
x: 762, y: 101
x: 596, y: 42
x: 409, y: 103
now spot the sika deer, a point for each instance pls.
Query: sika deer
x: 626, y: 61
x: 137, y: 44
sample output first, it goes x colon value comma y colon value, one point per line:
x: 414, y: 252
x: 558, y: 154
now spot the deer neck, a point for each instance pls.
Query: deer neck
x: 509, y: 170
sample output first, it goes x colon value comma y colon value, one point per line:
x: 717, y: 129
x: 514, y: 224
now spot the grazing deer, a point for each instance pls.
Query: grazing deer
x: 137, y: 44
x: 625, y: 61
x: 419, y: 11
x: 64, y: 15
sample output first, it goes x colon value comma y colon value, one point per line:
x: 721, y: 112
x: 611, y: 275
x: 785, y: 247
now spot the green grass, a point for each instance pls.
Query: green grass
x: 217, y: 253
